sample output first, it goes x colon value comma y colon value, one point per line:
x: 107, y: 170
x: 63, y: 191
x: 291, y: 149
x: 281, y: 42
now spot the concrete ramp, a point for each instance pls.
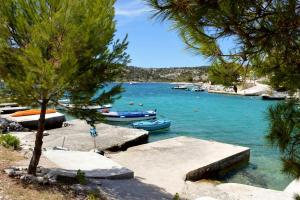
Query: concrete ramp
x: 93, y: 164
x: 168, y: 163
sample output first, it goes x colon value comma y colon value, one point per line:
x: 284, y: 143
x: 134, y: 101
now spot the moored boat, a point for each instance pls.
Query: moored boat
x: 182, y: 87
x: 272, y: 97
x: 152, y: 125
x: 65, y: 104
x: 129, y: 116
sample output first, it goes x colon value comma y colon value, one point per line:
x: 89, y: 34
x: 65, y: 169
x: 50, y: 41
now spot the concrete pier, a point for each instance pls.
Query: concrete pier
x: 169, y: 163
x: 76, y: 137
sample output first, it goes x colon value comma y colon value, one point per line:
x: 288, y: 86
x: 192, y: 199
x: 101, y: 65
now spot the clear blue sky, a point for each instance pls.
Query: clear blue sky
x: 151, y: 42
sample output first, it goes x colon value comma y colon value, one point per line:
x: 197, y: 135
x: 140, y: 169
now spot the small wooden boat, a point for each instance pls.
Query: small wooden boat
x: 270, y: 97
x: 152, y: 125
x: 129, y: 116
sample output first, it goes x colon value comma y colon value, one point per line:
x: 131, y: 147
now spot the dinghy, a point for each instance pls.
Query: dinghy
x: 152, y: 125
x: 129, y: 116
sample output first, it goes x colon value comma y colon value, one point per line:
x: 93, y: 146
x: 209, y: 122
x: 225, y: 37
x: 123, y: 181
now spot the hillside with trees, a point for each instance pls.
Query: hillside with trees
x: 178, y: 74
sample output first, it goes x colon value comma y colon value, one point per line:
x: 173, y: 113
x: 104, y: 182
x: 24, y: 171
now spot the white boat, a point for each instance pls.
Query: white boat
x: 94, y: 107
x: 129, y: 116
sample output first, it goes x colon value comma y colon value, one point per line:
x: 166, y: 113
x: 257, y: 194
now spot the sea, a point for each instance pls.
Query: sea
x: 237, y: 120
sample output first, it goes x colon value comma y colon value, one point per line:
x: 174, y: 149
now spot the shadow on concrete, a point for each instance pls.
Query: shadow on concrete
x: 121, y: 187
x: 133, y: 189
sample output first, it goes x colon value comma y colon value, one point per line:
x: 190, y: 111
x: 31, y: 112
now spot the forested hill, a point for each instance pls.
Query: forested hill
x: 180, y: 74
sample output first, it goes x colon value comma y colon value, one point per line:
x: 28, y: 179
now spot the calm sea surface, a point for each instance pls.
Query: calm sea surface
x: 230, y: 119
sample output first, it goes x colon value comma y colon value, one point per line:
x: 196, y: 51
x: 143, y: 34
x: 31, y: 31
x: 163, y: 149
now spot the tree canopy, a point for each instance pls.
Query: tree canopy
x: 52, y: 47
x: 266, y: 33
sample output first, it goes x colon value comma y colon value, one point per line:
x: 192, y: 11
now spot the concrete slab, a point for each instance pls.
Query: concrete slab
x: 246, y: 192
x: 168, y: 163
x: 77, y: 137
x: 93, y: 164
x: 9, y: 110
x: 132, y: 189
x: 53, y: 120
x: 231, y: 191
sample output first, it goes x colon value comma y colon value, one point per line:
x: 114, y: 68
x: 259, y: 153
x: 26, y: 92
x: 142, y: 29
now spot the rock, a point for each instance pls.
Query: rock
x: 27, y: 178
x: 52, y: 181
x: 10, y: 172
x: 45, y: 133
x: 6, y: 126
x: 14, y: 126
x: 40, y: 180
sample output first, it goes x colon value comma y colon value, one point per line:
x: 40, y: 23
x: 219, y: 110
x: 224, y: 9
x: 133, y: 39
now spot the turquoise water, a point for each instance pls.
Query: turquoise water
x: 230, y: 119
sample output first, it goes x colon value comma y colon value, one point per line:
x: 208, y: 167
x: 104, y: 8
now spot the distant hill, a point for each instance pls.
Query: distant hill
x: 178, y: 74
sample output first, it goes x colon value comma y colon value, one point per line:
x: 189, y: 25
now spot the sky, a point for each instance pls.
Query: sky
x: 152, y: 43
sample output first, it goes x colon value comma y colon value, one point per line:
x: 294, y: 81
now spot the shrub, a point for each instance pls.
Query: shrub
x: 176, y: 197
x: 80, y: 176
x: 9, y: 141
x: 93, y: 195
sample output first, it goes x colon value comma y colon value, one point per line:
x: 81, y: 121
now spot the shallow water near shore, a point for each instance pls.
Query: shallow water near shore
x: 231, y: 119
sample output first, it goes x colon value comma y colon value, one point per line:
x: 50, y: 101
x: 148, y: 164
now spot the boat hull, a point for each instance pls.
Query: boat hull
x: 125, y: 119
x: 129, y: 116
x: 273, y: 98
x: 152, y: 126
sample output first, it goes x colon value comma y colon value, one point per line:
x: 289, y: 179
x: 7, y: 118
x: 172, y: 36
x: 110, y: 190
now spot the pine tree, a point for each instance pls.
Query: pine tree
x: 52, y: 47
x: 265, y: 33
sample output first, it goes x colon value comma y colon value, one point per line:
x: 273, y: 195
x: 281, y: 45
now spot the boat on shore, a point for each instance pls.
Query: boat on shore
x: 152, y: 125
x: 65, y: 104
x: 129, y: 116
x: 273, y: 97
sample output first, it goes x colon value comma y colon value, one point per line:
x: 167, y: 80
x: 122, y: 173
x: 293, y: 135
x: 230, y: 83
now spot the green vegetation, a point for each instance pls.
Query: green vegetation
x: 284, y: 132
x: 180, y: 74
x: 266, y: 43
x: 265, y: 34
x: 80, y: 176
x: 9, y: 141
x: 93, y: 195
x: 50, y: 47
x: 176, y: 197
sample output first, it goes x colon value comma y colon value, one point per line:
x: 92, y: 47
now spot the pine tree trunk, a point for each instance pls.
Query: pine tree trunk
x: 38, y: 140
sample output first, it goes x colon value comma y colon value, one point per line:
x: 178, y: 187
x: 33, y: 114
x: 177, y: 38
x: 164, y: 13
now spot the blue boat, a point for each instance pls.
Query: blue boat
x: 152, y: 125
